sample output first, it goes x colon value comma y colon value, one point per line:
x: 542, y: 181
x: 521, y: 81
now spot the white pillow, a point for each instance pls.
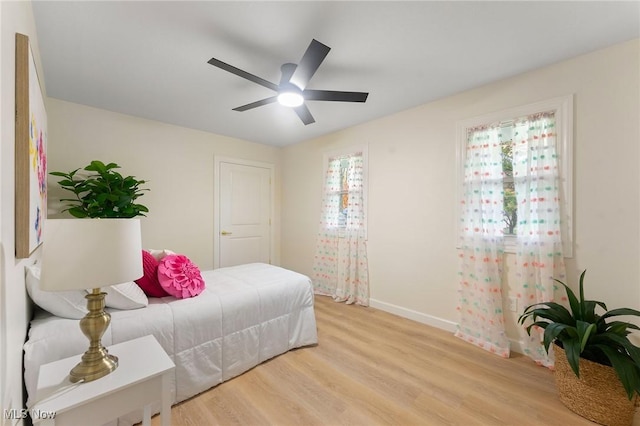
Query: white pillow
x: 65, y: 304
x: 159, y: 254
x: 125, y: 296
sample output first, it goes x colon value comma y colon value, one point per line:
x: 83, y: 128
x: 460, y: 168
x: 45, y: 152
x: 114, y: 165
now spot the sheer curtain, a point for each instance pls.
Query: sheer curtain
x: 539, y: 254
x: 340, y: 267
x: 481, y: 244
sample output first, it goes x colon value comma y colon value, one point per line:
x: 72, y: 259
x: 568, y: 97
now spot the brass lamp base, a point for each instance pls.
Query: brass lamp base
x: 96, y: 361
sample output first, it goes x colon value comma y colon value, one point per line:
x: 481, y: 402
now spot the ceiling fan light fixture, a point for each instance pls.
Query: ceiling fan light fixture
x: 290, y: 99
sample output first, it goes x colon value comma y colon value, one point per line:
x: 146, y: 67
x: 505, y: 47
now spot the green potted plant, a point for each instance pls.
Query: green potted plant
x: 103, y: 193
x: 597, y: 368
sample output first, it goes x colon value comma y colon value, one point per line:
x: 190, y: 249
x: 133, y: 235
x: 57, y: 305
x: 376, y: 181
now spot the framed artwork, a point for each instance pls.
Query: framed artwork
x: 30, y: 153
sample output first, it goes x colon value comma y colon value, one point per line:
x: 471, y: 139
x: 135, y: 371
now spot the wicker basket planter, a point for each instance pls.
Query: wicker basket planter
x: 597, y: 395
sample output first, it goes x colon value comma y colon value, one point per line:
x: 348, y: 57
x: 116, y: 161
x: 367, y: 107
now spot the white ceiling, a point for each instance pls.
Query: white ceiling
x: 149, y: 58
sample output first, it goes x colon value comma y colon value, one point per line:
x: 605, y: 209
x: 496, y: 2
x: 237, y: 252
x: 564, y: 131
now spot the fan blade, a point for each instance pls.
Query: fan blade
x: 332, y: 95
x: 311, y: 60
x: 240, y: 73
x: 256, y: 104
x: 304, y: 114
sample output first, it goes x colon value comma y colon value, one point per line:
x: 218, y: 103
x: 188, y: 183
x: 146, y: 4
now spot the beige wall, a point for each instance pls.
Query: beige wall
x: 177, y: 162
x: 14, y: 305
x: 412, y: 186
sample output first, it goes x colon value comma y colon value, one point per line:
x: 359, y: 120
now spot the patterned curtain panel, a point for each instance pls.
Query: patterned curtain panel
x: 340, y: 265
x: 481, y: 244
x: 539, y: 255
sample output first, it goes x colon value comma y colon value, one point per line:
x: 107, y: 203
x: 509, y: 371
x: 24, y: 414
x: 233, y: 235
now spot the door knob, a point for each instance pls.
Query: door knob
x: 226, y: 233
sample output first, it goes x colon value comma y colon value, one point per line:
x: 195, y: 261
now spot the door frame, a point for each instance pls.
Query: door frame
x: 217, y: 160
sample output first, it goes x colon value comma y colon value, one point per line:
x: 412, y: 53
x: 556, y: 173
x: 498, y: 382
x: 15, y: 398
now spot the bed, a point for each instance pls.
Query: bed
x: 246, y: 315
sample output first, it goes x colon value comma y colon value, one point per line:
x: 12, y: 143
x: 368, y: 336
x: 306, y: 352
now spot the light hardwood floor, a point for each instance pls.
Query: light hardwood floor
x: 374, y: 368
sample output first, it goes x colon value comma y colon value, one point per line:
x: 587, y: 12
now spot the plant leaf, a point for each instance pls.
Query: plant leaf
x: 583, y: 307
x: 554, y: 312
x: 77, y: 212
x: 620, y: 327
x: 619, y: 342
x: 589, y: 311
x: 585, y: 330
x: 573, y: 301
x: 95, y: 166
x: 541, y: 324
x: 572, y: 349
x: 552, y: 331
x: 621, y: 311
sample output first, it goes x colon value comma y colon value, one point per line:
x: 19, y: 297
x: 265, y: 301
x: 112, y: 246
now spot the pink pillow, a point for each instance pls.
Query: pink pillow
x: 149, y: 281
x: 179, y: 277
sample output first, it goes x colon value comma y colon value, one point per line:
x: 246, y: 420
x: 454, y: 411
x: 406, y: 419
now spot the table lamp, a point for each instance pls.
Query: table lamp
x: 89, y: 254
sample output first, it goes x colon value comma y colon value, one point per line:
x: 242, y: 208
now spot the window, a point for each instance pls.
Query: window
x: 345, y: 189
x: 560, y: 110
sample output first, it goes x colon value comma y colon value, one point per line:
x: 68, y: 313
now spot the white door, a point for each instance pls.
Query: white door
x: 244, y: 214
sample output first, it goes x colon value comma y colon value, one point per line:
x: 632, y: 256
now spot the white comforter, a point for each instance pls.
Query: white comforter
x: 246, y: 315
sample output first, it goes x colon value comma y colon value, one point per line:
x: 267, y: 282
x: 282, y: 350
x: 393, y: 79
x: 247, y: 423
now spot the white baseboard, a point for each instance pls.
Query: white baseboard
x: 516, y: 346
x: 443, y: 324
x: 414, y: 315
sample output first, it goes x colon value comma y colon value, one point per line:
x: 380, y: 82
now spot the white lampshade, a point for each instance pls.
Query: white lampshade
x: 90, y: 253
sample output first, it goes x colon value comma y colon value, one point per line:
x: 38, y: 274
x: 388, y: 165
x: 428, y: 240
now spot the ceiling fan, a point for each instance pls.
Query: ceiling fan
x: 291, y: 91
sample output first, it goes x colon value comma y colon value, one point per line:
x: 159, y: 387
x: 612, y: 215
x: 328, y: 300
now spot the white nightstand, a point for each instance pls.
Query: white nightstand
x: 142, y: 377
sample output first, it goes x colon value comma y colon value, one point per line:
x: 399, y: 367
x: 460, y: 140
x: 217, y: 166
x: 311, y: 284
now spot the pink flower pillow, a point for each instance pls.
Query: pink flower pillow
x: 179, y: 277
x: 149, y: 281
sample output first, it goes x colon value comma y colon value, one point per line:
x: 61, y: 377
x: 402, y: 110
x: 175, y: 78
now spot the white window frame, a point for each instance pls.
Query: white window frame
x: 563, y: 111
x: 343, y: 152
